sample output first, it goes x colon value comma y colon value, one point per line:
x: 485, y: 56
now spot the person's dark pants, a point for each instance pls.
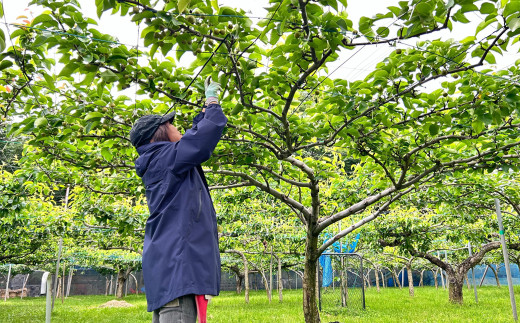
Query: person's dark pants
x: 180, y: 310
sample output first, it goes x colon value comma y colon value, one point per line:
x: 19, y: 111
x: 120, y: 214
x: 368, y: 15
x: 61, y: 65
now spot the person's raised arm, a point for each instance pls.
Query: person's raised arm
x: 211, y: 89
x: 198, y: 143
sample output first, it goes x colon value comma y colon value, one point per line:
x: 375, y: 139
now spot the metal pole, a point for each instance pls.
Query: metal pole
x: 59, y: 253
x: 57, y: 273
x: 48, y: 302
x: 442, y: 274
x: 362, y: 285
x: 7, y: 285
x: 506, y: 259
x: 473, y: 273
x: 447, y: 277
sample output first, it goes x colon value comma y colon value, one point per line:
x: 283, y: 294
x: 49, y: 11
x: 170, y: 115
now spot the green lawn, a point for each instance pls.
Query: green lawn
x: 390, y: 305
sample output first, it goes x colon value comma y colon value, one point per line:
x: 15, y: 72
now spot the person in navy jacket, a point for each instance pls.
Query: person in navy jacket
x: 181, y: 259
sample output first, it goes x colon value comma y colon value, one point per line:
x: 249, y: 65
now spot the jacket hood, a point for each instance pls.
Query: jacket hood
x: 146, y: 154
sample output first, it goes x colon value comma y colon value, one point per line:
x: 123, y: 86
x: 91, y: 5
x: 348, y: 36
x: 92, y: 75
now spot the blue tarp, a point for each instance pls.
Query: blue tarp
x: 326, y: 262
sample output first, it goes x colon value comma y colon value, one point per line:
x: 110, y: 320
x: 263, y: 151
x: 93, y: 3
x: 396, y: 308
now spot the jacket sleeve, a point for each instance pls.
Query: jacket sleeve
x: 198, y: 143
x: 197, y: 118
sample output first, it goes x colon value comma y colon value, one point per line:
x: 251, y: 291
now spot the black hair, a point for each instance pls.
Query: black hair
x: 161, y: 134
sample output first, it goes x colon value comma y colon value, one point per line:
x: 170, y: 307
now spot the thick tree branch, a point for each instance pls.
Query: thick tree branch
x: 353, y: 227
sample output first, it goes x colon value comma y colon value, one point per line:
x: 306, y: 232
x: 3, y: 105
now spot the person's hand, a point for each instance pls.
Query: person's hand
x: 212, y: 89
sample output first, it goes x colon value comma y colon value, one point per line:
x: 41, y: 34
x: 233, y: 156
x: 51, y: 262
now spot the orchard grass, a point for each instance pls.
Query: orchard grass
x: 390, y: 305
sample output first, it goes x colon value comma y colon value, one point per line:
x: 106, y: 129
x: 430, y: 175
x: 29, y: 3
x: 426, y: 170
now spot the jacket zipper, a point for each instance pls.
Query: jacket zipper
x: 200, y: 204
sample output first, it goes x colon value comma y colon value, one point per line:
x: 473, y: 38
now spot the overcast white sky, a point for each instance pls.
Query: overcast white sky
x: 357, y: 67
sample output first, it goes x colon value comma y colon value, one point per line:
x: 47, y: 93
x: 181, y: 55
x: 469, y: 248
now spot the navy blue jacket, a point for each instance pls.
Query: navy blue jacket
x: 180, y: 253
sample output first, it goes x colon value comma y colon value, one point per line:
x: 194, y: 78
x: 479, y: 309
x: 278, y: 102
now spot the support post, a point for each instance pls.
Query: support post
x: 7, y: 284
x: 57, y: 273
x: 59, y: 253
x: 506, y: 259
x: 447, y: 278
x: 442, y: 274
x: 473, y: 274
x: 48, y: 300
x: 63, y: 283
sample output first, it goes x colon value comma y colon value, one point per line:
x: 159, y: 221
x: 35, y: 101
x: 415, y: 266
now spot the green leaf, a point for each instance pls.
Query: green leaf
x: 2, y: 41
x: 484, y: 24
x: 424, y: 9
x: 342, y: 24
x: 108, y: 76
x: 365, y: 26
x: 183, y: 4
x: 40, y: 40
x: 105, y: 152
x: 317, y: 44
x: 165, y: 49
x: 93, y: 115
x: 40, y: 122
x: 478, y: 126
x: 40, y: 19
x: 17, y: 33
x: 383, y: 31
x: 380, y: 74
x: 512, y: 7
x: 50, y: 81
x: 514, y: 24
x: 5, y: 64
x: 433, y: 129
x: 487, y: 8
x: 69, y: 69
x: 237, y: 109
x: 490, y: 58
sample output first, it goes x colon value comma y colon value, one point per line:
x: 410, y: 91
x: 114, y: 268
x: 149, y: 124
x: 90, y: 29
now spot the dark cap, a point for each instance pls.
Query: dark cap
x: 145, y: 127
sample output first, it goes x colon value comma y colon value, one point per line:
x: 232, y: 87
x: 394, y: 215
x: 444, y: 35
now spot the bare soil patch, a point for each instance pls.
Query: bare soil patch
x: 115, y: 303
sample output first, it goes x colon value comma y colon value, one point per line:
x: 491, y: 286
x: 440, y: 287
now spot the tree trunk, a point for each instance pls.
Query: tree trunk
x: 122, y: 276
x: 368, y: 279
x: 496, y: 275
x: 410, y: 279
x: 397, y: 283
x: 383, y: 280
x: 266, y: 284
x: 455, y: 288
x: 71, y: 273
x: 246, y: 272
x: 376, y: 272
x: 121, y: 279
x: 435, y: 279
x: 344, y: 283
x: 421, y: 281
x: 467, y: 281
x: 402, y: 276
x: 310, y: 305
x: 239, y: 283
